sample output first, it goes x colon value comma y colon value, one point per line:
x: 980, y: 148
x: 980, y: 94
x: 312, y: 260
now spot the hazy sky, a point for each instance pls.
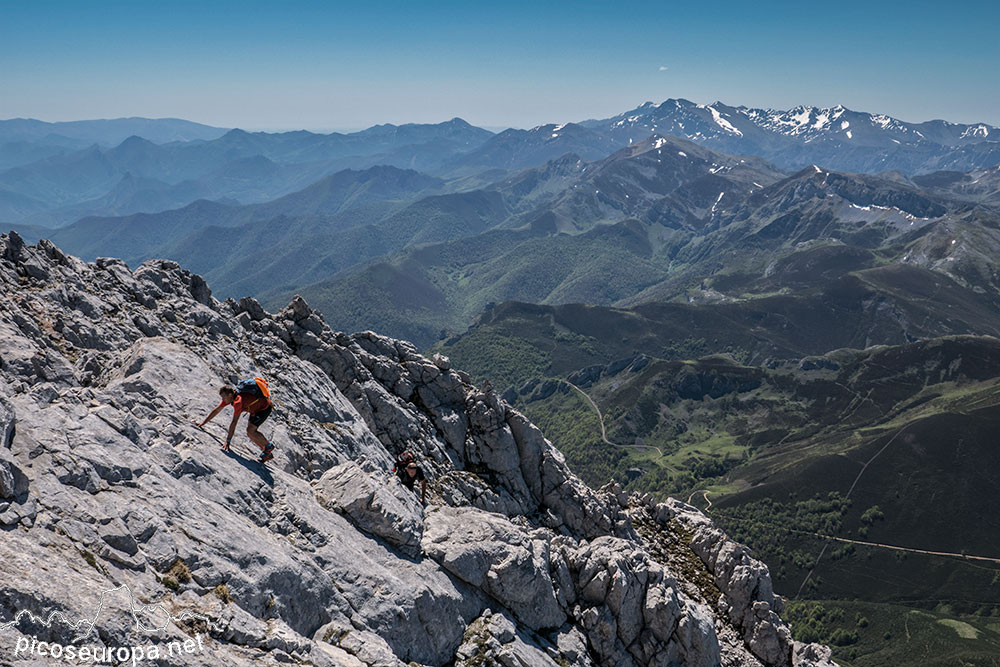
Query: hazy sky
x: 329, y: 65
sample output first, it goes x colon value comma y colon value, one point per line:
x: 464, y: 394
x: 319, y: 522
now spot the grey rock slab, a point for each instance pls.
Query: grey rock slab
x: 489, y: 552
x: 382, y: 507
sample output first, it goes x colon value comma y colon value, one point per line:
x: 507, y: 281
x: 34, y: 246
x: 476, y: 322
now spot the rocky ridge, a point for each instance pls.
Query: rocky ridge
x: 321, y: 558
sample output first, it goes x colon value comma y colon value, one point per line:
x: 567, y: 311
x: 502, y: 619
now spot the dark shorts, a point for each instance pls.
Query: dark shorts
x: 261, y: 416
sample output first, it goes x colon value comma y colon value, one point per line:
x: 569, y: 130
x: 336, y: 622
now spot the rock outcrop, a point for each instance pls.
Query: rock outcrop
x: 322, y: 557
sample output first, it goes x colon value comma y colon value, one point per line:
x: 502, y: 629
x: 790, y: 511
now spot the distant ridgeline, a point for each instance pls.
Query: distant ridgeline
x: 52, y: 174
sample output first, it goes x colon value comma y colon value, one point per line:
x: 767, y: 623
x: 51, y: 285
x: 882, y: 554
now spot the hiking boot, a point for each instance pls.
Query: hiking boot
x: 267, y: 454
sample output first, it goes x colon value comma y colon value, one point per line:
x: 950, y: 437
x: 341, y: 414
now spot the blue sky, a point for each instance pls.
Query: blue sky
x: 330, y: 65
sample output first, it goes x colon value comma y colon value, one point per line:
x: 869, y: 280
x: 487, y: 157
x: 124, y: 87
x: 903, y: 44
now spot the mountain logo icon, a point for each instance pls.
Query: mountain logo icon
x: 145, y: 618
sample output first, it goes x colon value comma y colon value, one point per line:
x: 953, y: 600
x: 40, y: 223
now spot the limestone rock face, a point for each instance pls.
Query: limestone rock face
x: 495, y: 639
x: 491, y: 553
x: 113, y: 499
x: 387, y: 511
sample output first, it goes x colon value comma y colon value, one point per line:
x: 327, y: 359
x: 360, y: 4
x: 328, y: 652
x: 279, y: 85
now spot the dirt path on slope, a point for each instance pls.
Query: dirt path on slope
x: 600, y: 419
x: 704, y: 495
x: 898, y: 548
x: 849, y: 492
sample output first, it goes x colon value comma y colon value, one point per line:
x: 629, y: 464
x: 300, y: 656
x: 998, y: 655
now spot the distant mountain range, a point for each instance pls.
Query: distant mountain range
x: 139, y: 175
x: 52, y: 174
x: 721, y: 231
x: 516, y: 149
x: 663, y: 219
x: 105, y: 132
x: 24, y: 141
x: 346, y: 219
x: 837, y: 137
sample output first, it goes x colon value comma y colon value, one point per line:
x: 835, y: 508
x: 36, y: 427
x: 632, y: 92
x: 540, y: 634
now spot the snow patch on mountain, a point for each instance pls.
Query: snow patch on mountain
x: 723, y: 123
x: 976, y: 131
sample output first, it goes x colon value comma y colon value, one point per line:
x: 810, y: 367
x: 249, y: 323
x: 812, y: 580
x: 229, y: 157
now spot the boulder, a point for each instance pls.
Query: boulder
x: 380, y: 507
x: 489, y: 552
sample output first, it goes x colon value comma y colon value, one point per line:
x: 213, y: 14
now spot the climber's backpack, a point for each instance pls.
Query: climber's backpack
x: 403, y: 459
x: 254, y: 389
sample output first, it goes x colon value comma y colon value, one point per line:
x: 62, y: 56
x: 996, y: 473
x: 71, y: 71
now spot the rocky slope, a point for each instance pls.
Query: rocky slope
x: 106, y: 485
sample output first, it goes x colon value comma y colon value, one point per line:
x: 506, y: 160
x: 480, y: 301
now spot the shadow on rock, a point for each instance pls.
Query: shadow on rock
x: 253, y: 466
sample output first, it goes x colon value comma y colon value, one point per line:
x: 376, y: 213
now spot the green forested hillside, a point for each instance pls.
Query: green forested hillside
x: 891, y: 445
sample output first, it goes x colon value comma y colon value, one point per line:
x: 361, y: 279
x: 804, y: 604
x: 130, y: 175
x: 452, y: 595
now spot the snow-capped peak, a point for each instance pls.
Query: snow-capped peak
x: 754, y: 130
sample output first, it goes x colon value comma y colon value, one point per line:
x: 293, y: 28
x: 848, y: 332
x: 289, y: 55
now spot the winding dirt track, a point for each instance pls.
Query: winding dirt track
x: 600, y: 419
x: 704, y: 495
